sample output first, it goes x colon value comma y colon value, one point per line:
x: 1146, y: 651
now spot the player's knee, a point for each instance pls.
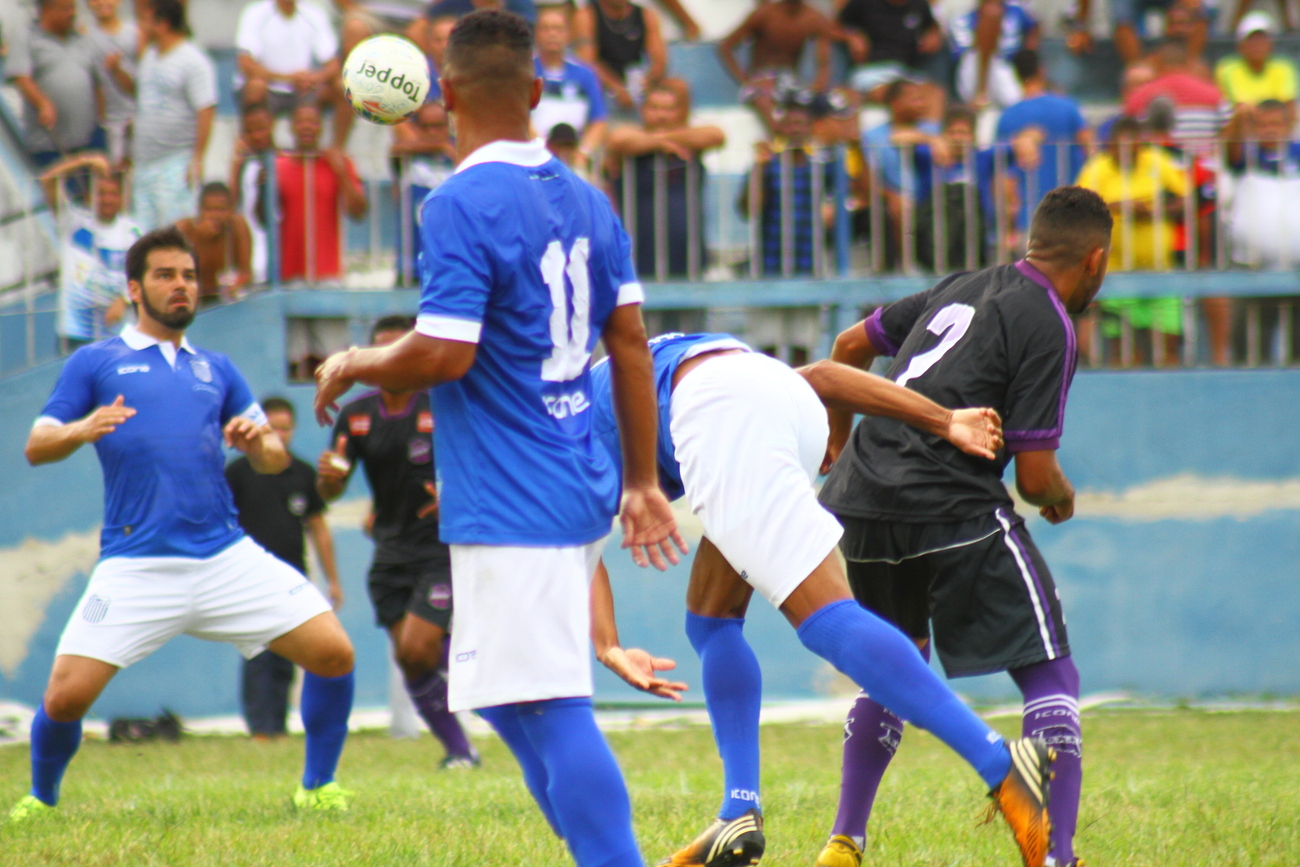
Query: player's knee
x: 65, y: 705
x: 335, y: 660
x: 418, y: 655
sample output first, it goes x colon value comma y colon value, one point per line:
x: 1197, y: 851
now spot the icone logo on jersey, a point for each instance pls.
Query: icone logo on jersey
x: 398, y: 82
x: 358, y: 425
x: 424, y: 422
x: 133, y: 368
x: 564, y: 405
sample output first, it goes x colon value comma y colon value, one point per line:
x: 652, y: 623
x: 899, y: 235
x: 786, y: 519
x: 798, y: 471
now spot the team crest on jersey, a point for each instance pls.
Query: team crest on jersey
x: 440, y: 596
x: 202, y: 372
x: 297, y: 505
x: 424, y: 422
x: 358, y: 425
x: 419, y: 449
x: 95, y: 608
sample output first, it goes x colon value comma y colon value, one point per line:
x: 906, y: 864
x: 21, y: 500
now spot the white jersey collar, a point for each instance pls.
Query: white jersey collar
x: 529, y: 155
x: 137, y: 340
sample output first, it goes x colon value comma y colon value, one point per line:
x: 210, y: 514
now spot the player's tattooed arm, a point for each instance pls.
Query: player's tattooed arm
x: 264, y: 448
x: 649, y: 527
x: 636, y: 667
x: 48, y: 443
x: 844, y: 389
x: 1041, y: 482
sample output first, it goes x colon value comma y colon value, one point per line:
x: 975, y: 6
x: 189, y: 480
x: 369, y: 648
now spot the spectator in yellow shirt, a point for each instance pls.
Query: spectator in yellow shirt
x: 1254, y: 75
x: 1144, y: 188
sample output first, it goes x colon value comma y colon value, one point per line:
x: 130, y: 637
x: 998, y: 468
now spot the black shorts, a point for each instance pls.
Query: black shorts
x: 987, y: 591
x: 422, y: 589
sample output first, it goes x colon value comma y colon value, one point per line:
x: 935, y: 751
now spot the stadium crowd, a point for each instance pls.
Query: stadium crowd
x: 891, y: 137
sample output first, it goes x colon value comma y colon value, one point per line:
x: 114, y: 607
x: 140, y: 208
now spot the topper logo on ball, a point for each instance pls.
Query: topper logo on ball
x: 399, y: 82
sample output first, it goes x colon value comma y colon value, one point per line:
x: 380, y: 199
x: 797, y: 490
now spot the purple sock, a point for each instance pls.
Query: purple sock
x: 429, y: 695
x: 871, y: 735
x: 1051, y: 691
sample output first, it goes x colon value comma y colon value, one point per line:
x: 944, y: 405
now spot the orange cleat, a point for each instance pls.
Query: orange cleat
x: 1022, y: 798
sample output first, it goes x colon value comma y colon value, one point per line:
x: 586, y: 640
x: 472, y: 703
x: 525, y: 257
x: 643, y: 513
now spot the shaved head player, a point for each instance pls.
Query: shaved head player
x: 524, y: 266
x: 931, y: 535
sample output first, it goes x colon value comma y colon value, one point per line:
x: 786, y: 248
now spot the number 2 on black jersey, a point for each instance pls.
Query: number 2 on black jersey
x: 952, y: 322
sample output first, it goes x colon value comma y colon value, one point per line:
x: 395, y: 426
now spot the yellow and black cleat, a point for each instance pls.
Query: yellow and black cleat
x: 840, y: 851
x: 1022, y: 798
x: 737, y: 843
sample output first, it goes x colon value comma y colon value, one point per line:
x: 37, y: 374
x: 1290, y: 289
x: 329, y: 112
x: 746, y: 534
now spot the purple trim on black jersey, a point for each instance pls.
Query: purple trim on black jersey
x: 383, y: 410
x: 876, y: 333
x: 1040, y: 440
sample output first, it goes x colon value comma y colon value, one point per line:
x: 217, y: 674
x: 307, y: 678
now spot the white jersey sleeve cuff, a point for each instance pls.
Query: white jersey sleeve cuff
x: 255, y: 413
x: 449, y: 328
x: 47, y: 421
x: 630, y: 293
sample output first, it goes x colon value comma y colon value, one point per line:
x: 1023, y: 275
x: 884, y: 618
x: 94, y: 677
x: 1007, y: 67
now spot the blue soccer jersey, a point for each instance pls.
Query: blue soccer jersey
x: 570, y: 94
x: 669, y: 351
x: 165, y: 491
x: 1017, y: 24
x: 522, y: 257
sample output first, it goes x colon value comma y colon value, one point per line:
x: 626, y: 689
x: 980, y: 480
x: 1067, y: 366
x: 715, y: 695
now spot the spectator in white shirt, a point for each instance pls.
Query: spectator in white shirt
x: 288, y: 53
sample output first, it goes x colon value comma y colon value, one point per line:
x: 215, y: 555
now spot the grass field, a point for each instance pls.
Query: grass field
x: 1170, y: 788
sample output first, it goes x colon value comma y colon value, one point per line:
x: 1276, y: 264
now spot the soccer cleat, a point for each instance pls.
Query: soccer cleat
x: 1022, y: 798
x: 840, y: 851
x: 736, y: 843
x: 28, y: 808
x: 460, y: 763
x: 330, y: 796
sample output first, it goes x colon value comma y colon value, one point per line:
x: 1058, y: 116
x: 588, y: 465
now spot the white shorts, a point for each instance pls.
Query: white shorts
x: 134, y: 605
x: 1004, y: 88
x: 521, y: 624
x: 750, y: 435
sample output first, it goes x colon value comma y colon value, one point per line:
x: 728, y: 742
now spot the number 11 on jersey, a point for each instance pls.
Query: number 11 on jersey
x: 569, y: 334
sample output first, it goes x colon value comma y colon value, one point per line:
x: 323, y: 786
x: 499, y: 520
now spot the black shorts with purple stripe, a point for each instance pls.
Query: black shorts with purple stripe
x: 422, y: 589
x: 981, y: 583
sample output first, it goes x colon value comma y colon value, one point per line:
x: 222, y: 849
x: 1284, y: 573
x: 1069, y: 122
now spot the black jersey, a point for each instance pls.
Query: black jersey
x: 999, y: 337
x: 397, y: 452
x: 273, y: 508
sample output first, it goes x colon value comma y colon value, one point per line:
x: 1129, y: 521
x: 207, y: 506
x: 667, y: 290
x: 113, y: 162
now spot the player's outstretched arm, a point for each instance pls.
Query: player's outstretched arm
x: 1042, y: 482
x: 414, y: 362
x: 649, y: 527
x: 48, y: 443
x: 854, y: 348
x: 848, y: 390
x: 636, y: 667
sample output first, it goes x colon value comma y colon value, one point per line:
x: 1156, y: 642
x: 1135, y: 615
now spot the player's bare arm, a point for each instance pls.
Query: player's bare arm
x: 842, y: 388
x: 649, y: 527
x: 323, y: 543
x: 852, y: 347
x: 1042, y: 482
x: 636, y: 667
x: 265, y: 450
x: 47, y: 444
x: 412, y: 363
x: 333, y: 470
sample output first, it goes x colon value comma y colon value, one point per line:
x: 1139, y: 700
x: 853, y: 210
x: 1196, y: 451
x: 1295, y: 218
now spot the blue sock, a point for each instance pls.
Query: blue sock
x: 584, y: 785
x: 733, y: 692
x: 882, y: 661
x: 505, y: 719
x: 326, y: 705
x: 53, y: 746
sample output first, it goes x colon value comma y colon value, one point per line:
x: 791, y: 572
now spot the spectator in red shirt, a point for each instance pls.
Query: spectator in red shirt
x: 316, y: 181
x: 1198, y: 104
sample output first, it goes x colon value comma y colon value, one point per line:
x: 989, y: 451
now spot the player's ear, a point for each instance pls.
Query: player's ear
x: 448, y: 94
x: 535, y: 95
x: 134, y: 289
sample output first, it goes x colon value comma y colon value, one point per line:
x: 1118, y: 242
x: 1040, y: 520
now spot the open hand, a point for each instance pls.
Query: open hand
x: 976, y: 431
x: 637, y: 669
x: 242, y: 433
x: 104, y: 420
x: 332, y: 382
x: 649, y: 528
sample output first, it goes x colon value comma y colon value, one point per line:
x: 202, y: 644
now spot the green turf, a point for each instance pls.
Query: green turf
x: 1174, y: 788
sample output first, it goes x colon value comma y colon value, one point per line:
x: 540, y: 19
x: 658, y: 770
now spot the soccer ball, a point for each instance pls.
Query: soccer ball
x: 386, y: 78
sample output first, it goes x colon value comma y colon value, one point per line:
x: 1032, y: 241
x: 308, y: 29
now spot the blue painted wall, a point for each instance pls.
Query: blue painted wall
x: 1174, y: 607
